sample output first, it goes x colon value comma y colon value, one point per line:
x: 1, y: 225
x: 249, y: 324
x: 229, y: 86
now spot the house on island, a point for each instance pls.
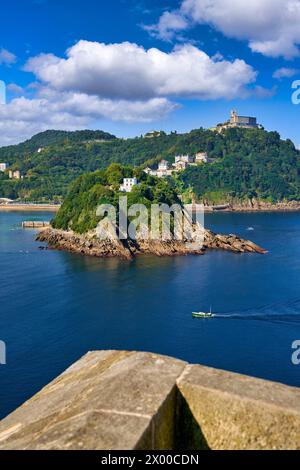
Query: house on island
x: 3, y: 167
x: 128, y: 185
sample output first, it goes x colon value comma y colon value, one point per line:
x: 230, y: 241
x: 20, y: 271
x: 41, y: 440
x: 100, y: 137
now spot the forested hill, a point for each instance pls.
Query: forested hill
x: 50, y: 138
x: 255, y: 164
x: 48, y: 174
x: 247, y: 162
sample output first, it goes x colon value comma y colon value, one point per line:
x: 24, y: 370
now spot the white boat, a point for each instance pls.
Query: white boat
x: 203, y: 314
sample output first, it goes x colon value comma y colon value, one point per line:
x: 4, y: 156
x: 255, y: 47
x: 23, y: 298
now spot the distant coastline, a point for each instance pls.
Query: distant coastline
x: 254, y: 206
x: 29, y: 208
x: 242, y: 207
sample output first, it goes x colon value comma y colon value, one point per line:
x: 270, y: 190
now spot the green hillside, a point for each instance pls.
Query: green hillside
x: 52, y: 138
x: 247, y: 162
x: 256, y: 164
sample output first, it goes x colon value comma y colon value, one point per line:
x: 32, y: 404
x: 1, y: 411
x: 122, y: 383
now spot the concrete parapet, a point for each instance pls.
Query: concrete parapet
x: 107, y: 400
x: 236, y: 412
x: 112, y: 400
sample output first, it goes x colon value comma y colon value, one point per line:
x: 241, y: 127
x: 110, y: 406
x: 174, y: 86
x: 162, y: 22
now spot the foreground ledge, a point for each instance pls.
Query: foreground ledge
x: 112, y: 400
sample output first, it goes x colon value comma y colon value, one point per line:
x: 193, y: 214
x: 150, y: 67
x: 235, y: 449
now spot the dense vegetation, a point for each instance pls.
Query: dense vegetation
x: 49, y: 173
x: 255, y: 164
x: 102, y: 187
x: 50, y: 138
x: 249, y: 163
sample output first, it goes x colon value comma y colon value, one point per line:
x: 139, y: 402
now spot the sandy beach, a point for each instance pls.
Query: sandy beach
x: 29, y: 207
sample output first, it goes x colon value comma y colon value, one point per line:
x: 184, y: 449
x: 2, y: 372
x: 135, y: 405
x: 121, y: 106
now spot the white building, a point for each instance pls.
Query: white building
x: 180, y: 165
x: 149, y: 171
x: 164, y: 169
x: 201, y: 157
x: 128, y: 184
x: 163, y: 165
x: 184, y: 158
x: 3, y: 167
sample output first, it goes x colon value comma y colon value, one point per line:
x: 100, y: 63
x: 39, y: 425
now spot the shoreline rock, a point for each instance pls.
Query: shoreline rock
x: 89, y: 245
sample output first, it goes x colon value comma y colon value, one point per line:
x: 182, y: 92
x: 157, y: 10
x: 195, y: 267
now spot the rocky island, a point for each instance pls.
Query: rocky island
x: 74, y: 228
x: 88, y: 244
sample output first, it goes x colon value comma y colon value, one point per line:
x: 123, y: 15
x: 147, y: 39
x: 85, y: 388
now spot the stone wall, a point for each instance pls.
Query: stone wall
x: 127, y: 400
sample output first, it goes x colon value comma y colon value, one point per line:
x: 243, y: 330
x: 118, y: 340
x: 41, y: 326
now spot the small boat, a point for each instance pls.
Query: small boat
x: 203, y: 314
x: 250, y: 229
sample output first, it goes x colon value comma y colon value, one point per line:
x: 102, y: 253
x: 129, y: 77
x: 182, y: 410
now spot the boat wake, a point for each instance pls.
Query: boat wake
x: 287, y: 313
x: 278, y: 318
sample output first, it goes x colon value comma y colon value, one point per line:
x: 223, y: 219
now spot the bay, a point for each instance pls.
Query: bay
x: 56, y: 306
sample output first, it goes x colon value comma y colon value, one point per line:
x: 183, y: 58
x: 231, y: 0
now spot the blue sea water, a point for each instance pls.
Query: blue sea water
x: 56, y: 306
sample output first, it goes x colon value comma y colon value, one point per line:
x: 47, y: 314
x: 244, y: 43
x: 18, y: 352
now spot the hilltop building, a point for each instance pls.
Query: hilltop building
x: 128, y: 184
x: 3, y: 167
x: 153, y: 134
x: 236, y: 121
x: 242, y: 121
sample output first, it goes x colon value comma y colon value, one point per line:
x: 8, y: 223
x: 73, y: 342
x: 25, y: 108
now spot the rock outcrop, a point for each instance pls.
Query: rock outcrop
x: 89, y: 244
x: 230, y: 243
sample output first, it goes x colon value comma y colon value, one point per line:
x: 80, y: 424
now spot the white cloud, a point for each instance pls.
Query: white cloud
x: 270, y: 26
x: 14, y: 88
x: 23, y: 117
x: 7, y: 57
x: 284, y: 72
x: 127, y: 71
x: 169, y: 24
x: 120, y: 82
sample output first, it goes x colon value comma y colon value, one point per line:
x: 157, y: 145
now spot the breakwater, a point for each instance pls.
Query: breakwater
x: 35, y: 224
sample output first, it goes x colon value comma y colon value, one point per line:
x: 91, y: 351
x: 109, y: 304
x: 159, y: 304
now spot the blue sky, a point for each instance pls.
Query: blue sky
x: 206, y: 61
